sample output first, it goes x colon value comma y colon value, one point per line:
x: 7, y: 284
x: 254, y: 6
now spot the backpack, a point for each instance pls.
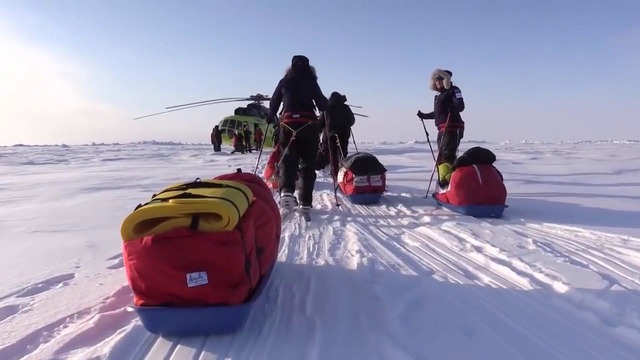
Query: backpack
x: 340, y: 118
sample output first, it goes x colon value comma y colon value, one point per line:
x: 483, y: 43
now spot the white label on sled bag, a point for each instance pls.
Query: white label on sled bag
x: 197, y: 279
x: 376, y: 180
x: 341, y: 173
x: 360, y: 181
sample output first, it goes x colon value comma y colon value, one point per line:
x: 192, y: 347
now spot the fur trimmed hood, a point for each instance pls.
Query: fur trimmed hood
x: 289, y: 71
x: 446, y: 74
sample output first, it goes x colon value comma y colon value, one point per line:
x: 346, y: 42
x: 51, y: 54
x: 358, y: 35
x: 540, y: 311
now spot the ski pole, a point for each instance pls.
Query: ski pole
x: 428, y: 141
x: 435, y: 162
x: 331, y: 158
x: 430, y: 181
x: 354, y: 140
x: 264, y: 139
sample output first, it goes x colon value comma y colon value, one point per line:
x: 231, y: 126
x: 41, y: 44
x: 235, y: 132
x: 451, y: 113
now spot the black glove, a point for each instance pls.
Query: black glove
x: 421, y: 115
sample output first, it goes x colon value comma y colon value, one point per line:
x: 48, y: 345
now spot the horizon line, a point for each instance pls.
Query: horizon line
x: 169, y: 143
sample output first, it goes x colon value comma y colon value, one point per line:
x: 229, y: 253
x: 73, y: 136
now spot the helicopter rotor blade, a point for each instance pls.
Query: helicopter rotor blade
x: 183, y: 108
x: 356, y: 114
x: 154, y: 114
x: 355, y: 106
x: 260, y: 97
x: 206, y: 101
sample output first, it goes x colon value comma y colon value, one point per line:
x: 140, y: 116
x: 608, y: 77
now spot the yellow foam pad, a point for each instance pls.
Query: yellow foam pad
x: 217, y: 208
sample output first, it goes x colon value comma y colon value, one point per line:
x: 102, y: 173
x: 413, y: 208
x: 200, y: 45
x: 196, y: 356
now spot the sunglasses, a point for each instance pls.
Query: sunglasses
x: 438, y: 78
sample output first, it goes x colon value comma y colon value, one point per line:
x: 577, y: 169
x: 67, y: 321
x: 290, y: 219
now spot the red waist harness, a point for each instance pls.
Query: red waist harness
x: 451, y: 126
x: 289, y: 117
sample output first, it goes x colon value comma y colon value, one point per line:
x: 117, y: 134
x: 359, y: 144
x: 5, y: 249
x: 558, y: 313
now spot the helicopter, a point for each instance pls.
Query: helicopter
x: 253, y: 115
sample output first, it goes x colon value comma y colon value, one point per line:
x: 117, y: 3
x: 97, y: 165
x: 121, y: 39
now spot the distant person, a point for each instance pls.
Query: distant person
x: 448, y: 104
x: 258, y: 135
x: 247, y: 138
x: 238, y: 143
x: 338, y: 120
x: 297, y: 91
x: 216, y: 139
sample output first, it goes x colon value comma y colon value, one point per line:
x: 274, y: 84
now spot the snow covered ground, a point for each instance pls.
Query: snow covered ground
x: 557, y: 278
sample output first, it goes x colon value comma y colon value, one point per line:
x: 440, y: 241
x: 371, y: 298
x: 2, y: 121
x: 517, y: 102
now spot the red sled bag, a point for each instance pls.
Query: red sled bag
x: 476, y: 187
x: 362, y: 178
x: 202, y: 243
x: 271, y: 170
x: 270, y: 173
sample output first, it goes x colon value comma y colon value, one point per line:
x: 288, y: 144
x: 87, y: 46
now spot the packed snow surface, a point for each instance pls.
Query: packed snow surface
x: 556, y: 278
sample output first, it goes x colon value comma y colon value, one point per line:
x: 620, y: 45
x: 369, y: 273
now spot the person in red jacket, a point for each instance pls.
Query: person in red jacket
x: 257, y: 138
x: 238, y: 143
x: 448, y: 103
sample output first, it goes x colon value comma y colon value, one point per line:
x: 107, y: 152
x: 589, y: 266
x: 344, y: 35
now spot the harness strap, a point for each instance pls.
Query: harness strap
x: 450, y: 126
x: 293, y: 136
x: 198, y: 184
x: 339, y: 147
x: 195, y: 220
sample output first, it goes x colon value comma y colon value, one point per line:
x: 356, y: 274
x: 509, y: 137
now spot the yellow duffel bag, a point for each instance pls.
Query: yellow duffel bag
x: 205, y: 205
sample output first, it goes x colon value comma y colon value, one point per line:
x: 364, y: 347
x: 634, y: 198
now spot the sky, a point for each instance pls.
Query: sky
x: 78, y: 72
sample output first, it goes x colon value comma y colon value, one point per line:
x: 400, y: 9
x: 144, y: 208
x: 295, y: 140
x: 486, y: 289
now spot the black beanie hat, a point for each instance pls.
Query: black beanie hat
x: 299, y: 60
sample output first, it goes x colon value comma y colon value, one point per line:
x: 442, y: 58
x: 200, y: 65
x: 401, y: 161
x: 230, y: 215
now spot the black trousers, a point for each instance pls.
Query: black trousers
x: 448, y: 143
x: 300, y: 158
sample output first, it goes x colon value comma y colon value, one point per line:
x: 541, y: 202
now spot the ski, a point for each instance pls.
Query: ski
x: 289, y: 214
x: 305, y: 214
x: 286, y: 215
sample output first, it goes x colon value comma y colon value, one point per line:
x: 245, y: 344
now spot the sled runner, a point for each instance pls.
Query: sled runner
x: 200, y: 320
x: 478, y: 211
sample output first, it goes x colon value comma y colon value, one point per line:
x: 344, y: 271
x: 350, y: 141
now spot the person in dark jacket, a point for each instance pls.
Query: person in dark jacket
x: 216, y: 139
x: 337, y: 122
x: 246, y: 133
x: 447, y: 106
x: 297, y: 91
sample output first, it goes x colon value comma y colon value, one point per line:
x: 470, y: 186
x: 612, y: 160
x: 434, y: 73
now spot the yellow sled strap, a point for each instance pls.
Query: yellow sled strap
x: 208, y: 206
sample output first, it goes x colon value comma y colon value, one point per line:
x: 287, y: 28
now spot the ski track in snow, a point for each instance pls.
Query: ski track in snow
x: 117, y: 262
x: 84, y: 328
x: 42, y: 286
x: 372, y: 243
x: 502, y: 288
